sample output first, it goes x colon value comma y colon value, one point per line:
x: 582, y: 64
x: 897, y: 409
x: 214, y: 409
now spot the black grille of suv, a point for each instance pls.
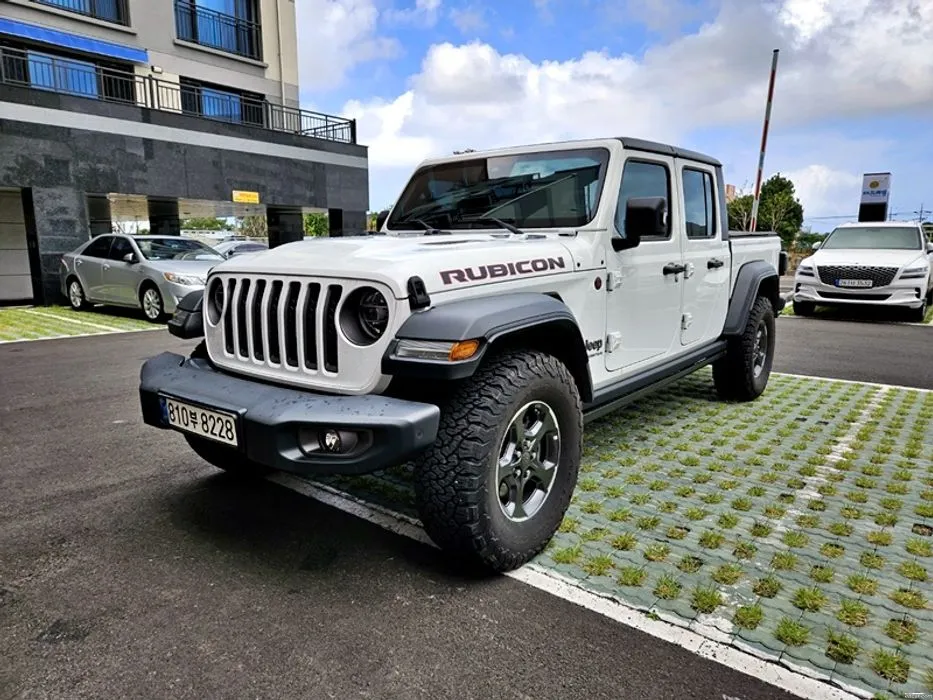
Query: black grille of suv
x: 879, y: 276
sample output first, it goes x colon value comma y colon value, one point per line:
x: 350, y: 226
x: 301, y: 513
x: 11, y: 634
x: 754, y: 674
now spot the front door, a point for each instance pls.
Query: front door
x: 120, y: 278
x: 644, y: 303
x: 706, y: 255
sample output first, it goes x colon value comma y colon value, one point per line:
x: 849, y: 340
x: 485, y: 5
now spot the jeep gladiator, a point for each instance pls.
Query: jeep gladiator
x: 508, y: 297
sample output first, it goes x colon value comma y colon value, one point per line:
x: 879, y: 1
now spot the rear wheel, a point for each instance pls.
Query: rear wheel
x: 743, y: 373
x: 493, y: 488
x: 76, y: 295
x: 225, y: 458
x: 804, y: 308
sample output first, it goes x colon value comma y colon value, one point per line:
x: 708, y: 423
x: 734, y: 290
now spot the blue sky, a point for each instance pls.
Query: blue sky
x: 424, y: 77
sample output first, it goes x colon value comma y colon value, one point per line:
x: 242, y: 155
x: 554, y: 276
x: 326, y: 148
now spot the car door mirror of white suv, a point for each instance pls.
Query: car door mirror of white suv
x: 816, y: 245
x: 130, y: 258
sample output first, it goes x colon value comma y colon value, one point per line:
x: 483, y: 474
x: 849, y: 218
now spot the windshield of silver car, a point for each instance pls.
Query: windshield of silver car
x: 545, y: 189
x: 176, y: 248
x: 874, y: 237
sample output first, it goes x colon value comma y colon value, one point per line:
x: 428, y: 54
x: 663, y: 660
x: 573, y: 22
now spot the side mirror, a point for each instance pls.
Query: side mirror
x: 381, y: 218
x: 816, y: 244
x: 930, y: 247
x: 130, y: 258
x: 644, y: 216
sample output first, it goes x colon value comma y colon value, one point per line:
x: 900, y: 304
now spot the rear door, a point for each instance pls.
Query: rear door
x: 706, y: 255
x: 644, y: 304
x: 89, y: 266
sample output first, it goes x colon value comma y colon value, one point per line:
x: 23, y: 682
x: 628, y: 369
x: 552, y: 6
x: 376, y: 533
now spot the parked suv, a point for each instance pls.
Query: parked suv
x: 884, y: 263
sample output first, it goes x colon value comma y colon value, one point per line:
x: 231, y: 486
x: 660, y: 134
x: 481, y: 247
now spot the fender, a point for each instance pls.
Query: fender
x: 188, y: 320
x: 492, y: 319
x: 754, y: 278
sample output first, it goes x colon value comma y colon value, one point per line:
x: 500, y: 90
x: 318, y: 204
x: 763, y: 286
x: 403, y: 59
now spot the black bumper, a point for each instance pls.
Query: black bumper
x: 270, y: 417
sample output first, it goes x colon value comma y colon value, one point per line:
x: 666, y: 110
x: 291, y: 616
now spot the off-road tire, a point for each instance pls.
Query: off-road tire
x: 457, y: 480
x: 226, y: 458
x: 804, y: 308
x: 734, y: 375
x: 83, y: 303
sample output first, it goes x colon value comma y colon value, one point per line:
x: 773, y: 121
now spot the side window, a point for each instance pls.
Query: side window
x: 99, y: 247
x: 121, y: 246
x: 699, y: 210
x: 642, y: 179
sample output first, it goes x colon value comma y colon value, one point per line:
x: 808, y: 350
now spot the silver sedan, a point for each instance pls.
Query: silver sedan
x: 152, y: 273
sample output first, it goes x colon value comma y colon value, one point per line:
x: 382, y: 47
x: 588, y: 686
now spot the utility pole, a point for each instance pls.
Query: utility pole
x: 921, y: 213
x: 764, y: 143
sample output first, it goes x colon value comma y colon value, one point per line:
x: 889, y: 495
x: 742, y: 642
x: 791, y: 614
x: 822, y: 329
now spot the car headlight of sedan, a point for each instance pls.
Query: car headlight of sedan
x: 184, y: 280
x: 915, y: 272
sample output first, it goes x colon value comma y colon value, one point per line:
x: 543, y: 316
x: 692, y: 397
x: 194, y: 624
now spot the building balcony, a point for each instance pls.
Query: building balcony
x: 217, y: 30
x: 115, y: 11
x: 47, y: 73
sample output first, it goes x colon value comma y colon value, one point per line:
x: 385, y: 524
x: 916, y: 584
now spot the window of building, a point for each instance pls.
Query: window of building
x: 108, y: 10
x: 217, y: 103
x: 642, y: 179
x: 62, y: 74
x: 228, y: 25
x: 698, y: 204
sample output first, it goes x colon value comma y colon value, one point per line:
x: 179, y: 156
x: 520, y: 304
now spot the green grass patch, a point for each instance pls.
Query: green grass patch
x: 841, y: 648
x: 667, y: 587
x: 853, y: 613
x: 890, y: 665
x: 792, y: 633
x: 705, y: 599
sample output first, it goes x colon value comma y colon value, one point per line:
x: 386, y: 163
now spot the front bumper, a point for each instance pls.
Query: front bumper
x: 270, y: 419
x: 172, y: 293
x: 900, y: 293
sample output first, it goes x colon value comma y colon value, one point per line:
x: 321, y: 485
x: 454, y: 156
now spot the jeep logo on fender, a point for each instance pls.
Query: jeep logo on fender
x: 496, y: 270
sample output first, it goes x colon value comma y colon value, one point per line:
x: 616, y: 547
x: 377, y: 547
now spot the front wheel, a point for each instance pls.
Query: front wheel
x: 151, y: 301
x: 743, y: 373
x: 495, y: 485
x: 804, y: 308
x: 917, y: 315
x: 226, y: 458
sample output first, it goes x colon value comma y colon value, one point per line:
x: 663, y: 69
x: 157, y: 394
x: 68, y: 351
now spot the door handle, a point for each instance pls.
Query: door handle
x: 106, y: 267
x: 78, y: 261
x: 674, y: 269
x: 714, y: 263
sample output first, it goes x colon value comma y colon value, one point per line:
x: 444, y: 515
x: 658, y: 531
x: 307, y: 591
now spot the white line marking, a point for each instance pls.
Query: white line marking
x: 802, y: 682
x: 65, y: 320
x: 850, y: 381
x: 78, y: 335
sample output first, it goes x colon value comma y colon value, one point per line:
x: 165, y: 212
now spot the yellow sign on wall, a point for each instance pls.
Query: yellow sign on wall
x: 243, y: 197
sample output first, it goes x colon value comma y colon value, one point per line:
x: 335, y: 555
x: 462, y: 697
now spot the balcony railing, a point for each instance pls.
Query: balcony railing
x: 69, y: 77
x: 217, y: 30
x: 108, y: 10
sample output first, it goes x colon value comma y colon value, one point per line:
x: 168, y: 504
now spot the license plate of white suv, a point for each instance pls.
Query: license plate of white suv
x: 218, y: 426
x: 854, y: 283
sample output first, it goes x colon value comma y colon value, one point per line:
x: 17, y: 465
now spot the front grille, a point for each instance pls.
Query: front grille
x: 282, y: 323
x: 879, y: 276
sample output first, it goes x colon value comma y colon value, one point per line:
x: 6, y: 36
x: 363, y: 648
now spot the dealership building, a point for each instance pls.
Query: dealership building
x: 148, y: 112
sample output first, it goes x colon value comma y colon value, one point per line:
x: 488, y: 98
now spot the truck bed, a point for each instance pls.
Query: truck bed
x: 746, y: 246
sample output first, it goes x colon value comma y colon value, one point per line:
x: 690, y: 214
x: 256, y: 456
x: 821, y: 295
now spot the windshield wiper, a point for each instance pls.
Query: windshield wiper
x: 498, y: 222
x: 428, y: 229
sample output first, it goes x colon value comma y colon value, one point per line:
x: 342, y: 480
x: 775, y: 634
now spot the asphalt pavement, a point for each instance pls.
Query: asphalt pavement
x: 129, y: 568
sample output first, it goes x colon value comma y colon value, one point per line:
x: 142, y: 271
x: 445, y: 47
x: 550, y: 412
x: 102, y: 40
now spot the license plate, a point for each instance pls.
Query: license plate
x: 213, y: 425
x: 854, y: 283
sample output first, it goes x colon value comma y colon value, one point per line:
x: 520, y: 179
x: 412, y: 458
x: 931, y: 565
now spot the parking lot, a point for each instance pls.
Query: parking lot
x: 130, y: 568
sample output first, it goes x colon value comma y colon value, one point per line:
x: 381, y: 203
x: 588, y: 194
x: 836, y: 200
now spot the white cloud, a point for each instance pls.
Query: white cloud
x: 423, y: 12
x: 469, y: 20
x: 839, y: 58
x: 824, y: 191
x: 336, y: 35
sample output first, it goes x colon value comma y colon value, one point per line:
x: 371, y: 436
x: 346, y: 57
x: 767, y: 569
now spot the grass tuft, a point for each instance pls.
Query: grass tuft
x: 767, y: 587
x: 748, y: 616
x: 705, y: 599
x: 792, y: 633
x: 842, y: 648
x: 667, y: 587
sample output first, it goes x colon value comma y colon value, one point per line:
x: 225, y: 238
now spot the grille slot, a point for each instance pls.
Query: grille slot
x: 290, y: 327
x: 239, y: 319
x: 879, y: 276
x: 309, y: 318
x: 272, y: 317
x: 330, y: 328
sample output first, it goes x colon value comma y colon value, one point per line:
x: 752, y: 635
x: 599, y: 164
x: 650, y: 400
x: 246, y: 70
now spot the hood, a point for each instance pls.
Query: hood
x: 883, y: 258
x: 183, y: 267
x: 443, y: 262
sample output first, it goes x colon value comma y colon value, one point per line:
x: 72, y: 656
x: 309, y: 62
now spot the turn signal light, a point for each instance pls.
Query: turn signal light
x: 463, y: 350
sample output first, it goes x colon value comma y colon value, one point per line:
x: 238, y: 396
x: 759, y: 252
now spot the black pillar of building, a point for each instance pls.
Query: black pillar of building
x: 98, y: 214
x: 346, y: 223
x: 286, y: 225
x: 335, y: 222
x: 163, y: 217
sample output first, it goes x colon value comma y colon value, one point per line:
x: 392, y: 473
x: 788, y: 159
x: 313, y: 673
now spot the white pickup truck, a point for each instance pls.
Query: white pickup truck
x: 509, y: 296
x: 886, y: 263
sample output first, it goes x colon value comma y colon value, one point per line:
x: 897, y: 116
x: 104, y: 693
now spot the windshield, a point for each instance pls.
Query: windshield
x: 547, y: 189
x: 877, y: 237
x: 174, y: 248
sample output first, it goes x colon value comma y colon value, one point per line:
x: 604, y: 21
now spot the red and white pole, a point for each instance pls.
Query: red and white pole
x: 764, y: 143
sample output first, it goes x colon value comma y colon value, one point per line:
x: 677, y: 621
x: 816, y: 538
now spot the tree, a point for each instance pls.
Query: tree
x: 928, y: 229
x: 779, y: 210
x: 316, y: 224
x: 254, y: 226
x: 205, y: 223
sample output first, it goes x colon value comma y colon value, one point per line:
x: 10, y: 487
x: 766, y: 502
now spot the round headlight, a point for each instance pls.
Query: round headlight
x: 364, y: 316
x: 215, y: 300
x: 374, y: 313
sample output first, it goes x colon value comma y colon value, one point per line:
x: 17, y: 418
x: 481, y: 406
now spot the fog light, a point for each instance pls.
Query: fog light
x: 331, y: 441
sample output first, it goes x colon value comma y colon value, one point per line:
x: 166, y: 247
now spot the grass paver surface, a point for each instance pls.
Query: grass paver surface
x: 31, y: 323
x: 799, y: 526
